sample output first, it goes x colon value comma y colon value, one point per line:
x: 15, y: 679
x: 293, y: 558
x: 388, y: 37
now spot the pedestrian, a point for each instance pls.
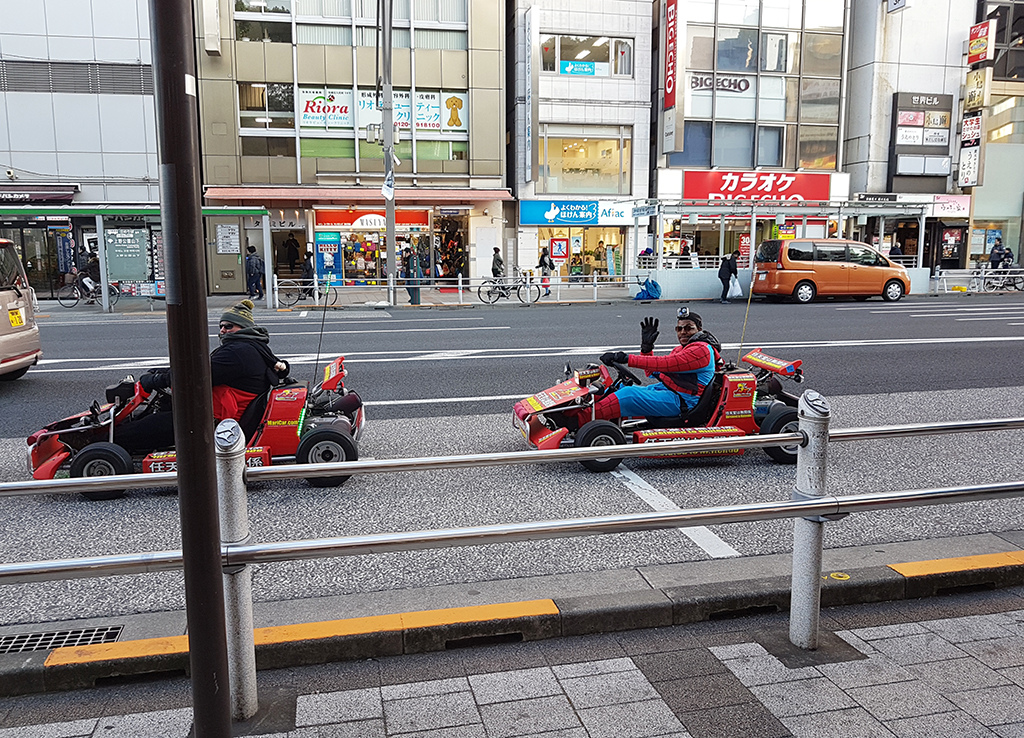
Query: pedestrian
x: 546, y: 266
x: 307, y: 275
x: 896, y: 250
x: 497, y: 264
x: 411, y: 269
x: 291, y: 247
x: 726, y: 271
x: 254, y: 266
x: 995, y: 257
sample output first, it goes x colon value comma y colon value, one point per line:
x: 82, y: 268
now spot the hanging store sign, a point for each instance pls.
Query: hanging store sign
x: 981, y: 43
x: 755, y: 186
x: 574, y: 212
x: 329, y: 108
x: 369, y: 219
x: 969, y: 174
x: 977, y: 87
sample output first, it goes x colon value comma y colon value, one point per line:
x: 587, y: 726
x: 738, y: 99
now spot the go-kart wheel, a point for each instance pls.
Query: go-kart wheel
x: 781, y: 419
x: 325, y: 445
x: 600, y: 433
x: 893, y: 290
x: 102, y: 459
x: 805, y: 292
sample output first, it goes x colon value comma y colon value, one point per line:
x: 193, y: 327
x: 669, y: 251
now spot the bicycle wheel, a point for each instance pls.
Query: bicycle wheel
x: 992, y: 284
x: 528, y: 293
x: 288, y: 292
x: 113, y: 294
x: 328, y: 296
x: 1017, y: 283
x: 489, y: 292
x: 68, y: 295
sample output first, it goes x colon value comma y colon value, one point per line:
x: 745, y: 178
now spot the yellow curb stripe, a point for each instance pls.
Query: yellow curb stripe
x: 960, y: 563
x: 308, y: 631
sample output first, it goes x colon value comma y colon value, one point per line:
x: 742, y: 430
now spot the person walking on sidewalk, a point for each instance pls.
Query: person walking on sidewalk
x: 546, y: 266
x: 726, y: 272
x: 291, y: 248
x: 254, y: 267
x: 497, y: 264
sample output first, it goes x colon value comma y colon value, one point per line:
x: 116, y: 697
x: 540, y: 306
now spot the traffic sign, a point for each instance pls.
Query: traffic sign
x: 644, y: 211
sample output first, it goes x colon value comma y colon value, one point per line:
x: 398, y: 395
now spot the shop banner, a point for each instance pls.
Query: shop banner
x: 755, y: 186
x: 981, y: 44
x: 574, y: 212
x: 369, y: 218
x: 329, y: 108
x: 434, y: 111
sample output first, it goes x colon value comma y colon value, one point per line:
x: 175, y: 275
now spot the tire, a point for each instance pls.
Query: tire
x: 528, y: 293
x: 330, y: 296
x: 1017, y: 283
x: 805, y: 292
x: 288, y: 292
x: 892, y: 291
x: 113, y: 294
x: 781, y: 419
x: 489, y: 292
x: 990, y: 285
x: 600, y: 433
x: 326, y: 445
x: 68, y: 295
x: 16, y: 374
x: 102, y: 459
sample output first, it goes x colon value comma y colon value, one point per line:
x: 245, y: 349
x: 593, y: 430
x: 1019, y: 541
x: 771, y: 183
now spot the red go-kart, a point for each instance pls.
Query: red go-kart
x: 737, y: 402
x: 289, y: 423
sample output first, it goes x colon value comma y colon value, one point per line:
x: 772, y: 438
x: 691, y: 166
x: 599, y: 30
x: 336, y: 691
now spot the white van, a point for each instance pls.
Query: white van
x: 19, y: 335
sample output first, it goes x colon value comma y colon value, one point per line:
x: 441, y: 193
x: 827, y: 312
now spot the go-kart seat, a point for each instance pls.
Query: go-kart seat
x: 701, y: 413
x: 253, y: 414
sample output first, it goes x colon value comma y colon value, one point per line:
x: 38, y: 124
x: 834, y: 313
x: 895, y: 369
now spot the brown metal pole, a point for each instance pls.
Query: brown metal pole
x: 187, y: 330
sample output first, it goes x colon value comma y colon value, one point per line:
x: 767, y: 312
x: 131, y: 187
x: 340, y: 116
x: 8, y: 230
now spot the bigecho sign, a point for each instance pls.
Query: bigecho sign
x: 755, y: 186
x: 671, y: 53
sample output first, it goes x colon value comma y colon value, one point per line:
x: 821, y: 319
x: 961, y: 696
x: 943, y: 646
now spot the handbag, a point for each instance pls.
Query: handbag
x: 734, y: 289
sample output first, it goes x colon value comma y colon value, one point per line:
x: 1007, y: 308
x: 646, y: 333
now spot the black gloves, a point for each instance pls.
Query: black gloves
x: 155, y: 379
x: 614, y: 357
x: 648, y: 334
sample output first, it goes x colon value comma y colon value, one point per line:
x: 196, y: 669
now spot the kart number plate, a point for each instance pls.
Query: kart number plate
x: 762, y: 276
x: 16, y: 317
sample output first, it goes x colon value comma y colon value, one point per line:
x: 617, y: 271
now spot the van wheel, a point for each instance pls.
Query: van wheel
x: 16, y: 374
x: 102, y: 459
x: 805, y: 292
x: 599, y: 433
x: 893, y: 290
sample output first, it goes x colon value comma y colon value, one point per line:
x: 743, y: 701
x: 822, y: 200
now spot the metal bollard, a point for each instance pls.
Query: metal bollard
x: 234, y: 528
x: 460, y: 288
x: 594, y: 275
x: 808, y: 533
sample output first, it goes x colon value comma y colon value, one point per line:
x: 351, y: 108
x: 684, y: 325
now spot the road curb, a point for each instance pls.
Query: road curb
x: 425, y: 631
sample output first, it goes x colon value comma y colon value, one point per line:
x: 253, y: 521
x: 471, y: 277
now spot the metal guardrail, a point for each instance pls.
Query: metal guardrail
x: 980, y: 279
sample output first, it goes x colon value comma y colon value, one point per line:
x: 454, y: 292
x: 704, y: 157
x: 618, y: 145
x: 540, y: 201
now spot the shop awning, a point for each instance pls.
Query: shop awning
x: 285, y: 196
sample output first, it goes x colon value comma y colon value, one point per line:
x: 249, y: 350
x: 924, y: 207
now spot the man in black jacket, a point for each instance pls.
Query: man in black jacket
x: 726, y: 272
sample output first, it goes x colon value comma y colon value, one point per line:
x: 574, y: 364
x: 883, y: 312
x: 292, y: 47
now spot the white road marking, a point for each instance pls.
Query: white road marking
x: 304, y: 313
x: 940, y: 306
x: 446, y: 400
x: 704, y: 537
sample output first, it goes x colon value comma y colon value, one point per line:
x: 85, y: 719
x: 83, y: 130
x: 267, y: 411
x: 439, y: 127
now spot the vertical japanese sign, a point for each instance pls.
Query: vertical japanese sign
x: 970, y: 150
x: 532, y: 70
x: 981, y: 43
x: 672, y: 109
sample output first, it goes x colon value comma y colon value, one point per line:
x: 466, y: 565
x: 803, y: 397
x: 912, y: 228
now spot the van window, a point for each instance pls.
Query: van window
x: 830, y: 252
x: 867, y: 257
x: 800, y: 251
x: 10, y: 268
x: 768, y: 251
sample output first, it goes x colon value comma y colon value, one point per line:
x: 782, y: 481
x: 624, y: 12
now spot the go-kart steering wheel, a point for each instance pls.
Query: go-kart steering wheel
x: 625, y: 375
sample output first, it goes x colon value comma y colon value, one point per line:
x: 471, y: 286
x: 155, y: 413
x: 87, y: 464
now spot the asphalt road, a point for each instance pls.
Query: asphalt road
x: 442, y: 382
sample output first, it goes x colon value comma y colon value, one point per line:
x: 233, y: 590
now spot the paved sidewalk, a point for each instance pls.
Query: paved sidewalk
x: 949, y: 666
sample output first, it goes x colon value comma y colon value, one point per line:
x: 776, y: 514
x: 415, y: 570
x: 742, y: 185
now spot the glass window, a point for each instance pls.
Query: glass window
x: 324, y: 34
x: 824, y: 15
x: 735, y: 97
x: 800, y: 251
x: 263, y: 6
x: 792, y: 140
x: 263, y: 146
x: 623, y: 63
x: 324, y: 8
x: 699, y: 93
x: 819, y: 101
x: 782, y: 13
x: 586, y: 165
x: 547, y: 53
x: 737, y: 50
x: 444, y: 11
x: 367, y: 36
x: 777, y: 98
x: 829, y: 252
x: 263, y: 31
x: 822, y: 54
x: 696, y: 146
x: 434, y: 38
x: 700, y: 48
x: 769, y: 146
x: 818, y: 146
x: 1000, y: 13
x: 1010, y: 65
x: 734, y: 145
x: 866, y: 257
x: 780, y: 52
x: 740, y: 12
x: 697, y: 11
x: 585, y: 49
x: 263, y: 105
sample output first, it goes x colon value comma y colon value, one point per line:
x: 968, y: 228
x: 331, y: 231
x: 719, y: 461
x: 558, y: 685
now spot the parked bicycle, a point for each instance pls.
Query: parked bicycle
x: 71, y: 294
x: 997, y: 279
x: 290, y: 291
x: 493, y: 289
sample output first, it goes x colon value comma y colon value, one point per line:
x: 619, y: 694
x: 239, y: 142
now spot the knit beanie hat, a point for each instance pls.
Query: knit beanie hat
x: 240, y: 314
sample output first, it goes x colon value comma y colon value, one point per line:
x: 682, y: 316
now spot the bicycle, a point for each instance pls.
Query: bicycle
x: 290, y: 291
x: 492, y: 289
x: 71, y: 294
x: 993, y: 281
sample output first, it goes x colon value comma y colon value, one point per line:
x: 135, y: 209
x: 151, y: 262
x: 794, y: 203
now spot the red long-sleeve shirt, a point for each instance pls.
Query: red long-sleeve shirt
x: 686, y: 369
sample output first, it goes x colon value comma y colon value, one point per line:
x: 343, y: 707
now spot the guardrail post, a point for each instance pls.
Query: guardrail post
x: 234, y: 528
x: 594, y: 276
x: 460, y: 288
x: 808, y: 533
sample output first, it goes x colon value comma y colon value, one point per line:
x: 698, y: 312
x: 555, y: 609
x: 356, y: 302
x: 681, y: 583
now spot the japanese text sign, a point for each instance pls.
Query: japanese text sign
x: 755, y: 186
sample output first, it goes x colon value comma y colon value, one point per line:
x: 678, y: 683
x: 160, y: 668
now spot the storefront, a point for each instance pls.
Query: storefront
x: 351, y: 245
x: 939, y: 242
x: 583, y: 237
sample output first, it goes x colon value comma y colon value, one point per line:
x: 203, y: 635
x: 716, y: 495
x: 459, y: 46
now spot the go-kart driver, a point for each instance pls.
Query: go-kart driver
x: 242, y: 368
x: 683, y: 374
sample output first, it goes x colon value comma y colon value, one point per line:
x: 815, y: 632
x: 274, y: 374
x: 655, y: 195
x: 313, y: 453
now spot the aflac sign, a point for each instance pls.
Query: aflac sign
x: 573, y: 213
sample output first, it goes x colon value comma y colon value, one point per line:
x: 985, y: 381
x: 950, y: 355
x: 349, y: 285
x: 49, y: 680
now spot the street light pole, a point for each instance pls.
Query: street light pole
x: 387, y: 107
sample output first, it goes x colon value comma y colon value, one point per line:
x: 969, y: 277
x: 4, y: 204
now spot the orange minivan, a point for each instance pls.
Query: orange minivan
x: 803, y: 268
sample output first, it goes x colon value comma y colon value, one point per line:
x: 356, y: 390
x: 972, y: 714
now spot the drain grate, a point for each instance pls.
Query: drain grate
x: 23, y: 642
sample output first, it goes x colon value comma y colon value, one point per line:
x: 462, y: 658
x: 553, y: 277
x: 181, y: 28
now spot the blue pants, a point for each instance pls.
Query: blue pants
x: 652, y: 401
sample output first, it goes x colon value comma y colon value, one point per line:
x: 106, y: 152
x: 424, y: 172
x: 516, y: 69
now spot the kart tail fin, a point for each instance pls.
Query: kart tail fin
x: 333, y: 374
x: 779, y: 366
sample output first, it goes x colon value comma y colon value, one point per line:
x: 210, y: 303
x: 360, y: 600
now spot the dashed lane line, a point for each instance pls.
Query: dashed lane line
x: 704, y: 537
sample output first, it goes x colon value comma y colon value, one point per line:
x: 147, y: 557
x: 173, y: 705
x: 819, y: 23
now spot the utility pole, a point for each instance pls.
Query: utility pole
x: 387, y: 106
x: 174, y: 71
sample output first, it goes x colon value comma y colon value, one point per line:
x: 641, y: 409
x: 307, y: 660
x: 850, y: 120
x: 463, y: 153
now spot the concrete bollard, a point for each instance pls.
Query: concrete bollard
x: 808, y: 533
x: 234, y: 528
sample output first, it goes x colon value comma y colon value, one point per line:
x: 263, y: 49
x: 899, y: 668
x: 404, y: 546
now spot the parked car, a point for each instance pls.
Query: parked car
x: 804, y: 268
x: 19, y: 335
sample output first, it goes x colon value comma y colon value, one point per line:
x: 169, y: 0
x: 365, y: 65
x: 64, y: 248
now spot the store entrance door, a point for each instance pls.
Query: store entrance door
x: 38, y: 249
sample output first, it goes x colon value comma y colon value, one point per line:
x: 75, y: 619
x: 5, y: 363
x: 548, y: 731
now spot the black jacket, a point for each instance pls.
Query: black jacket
x: 244, y: 361
x: 728, y: 268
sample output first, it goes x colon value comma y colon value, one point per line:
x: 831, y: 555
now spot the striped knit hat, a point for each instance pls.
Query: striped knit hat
x: 240, y: 314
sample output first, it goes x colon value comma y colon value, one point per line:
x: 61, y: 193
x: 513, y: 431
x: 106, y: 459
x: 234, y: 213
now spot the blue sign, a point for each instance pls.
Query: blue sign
x: 558, y: 212
x: 579, y: 67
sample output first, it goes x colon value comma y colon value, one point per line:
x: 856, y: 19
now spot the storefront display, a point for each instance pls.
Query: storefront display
x: 352, y: 244
x: 585, y: 231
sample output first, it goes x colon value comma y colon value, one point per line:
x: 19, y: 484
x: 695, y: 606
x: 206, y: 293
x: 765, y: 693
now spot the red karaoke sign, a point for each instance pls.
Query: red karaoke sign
x: 755, y: 186
x: 670, y: 54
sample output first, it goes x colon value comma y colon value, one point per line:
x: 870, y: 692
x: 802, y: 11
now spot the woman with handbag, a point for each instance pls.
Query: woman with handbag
x: 546, y: 266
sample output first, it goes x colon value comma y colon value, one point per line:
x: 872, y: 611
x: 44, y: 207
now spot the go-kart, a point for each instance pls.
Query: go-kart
x: 737, y: 402
x: 288, y: 423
